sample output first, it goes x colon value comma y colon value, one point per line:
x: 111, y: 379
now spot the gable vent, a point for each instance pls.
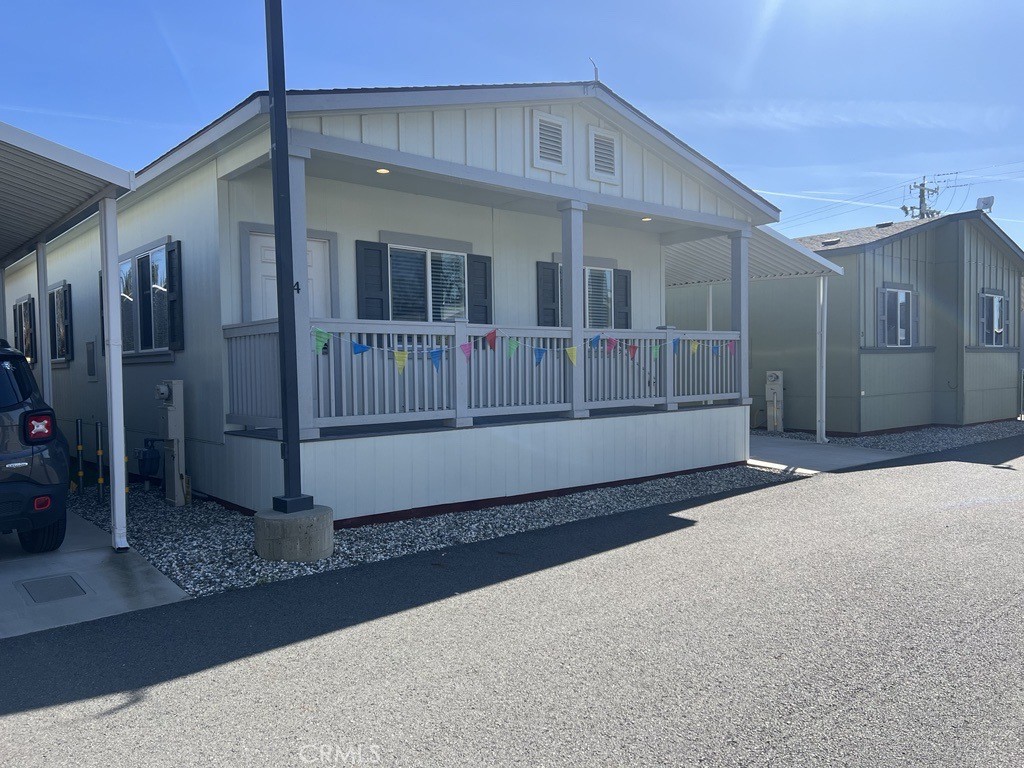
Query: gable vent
x: 549, y: 141
x: 604, y: 154
x: 605, y: 160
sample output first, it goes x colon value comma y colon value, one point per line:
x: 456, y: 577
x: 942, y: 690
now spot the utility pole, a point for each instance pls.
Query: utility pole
x: 922, y: 210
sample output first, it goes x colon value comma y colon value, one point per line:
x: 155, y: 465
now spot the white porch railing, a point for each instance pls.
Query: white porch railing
x: 356, y: 376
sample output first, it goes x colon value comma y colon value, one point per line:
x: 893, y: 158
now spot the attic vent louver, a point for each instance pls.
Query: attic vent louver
x: 550, y: 134
x: 831, y: 241
x: 883, y: 225
x: 604, y: 155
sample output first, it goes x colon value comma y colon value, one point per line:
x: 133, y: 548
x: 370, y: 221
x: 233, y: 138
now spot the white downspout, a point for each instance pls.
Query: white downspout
x: 821, y: 349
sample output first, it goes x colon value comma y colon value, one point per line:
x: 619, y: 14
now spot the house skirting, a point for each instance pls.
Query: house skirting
x: 379, y: 474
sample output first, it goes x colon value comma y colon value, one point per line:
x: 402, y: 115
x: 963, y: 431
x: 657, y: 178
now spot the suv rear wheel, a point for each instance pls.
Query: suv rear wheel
x: 45, y: 539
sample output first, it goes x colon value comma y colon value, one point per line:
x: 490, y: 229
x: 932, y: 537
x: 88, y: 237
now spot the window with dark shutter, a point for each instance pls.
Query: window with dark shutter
x: 25, y: 328
x: 623, y: 298
x: 175, y: 311
x: 372, y: 295
x: 548, y: 286
x: 479, y: 288
x: 59, y: 307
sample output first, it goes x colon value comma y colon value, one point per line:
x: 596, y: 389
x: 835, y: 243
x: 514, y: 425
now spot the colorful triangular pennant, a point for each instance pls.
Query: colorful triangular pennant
x: 675, y: 345
x: 511, y: 345
x: 435, y: 358
x: 401, y: 357
x: 492, y: 338
x: 694, y: 346
x: 358, y: 349
x: 570, y: 352
x: 320, y: 339
x: 656, y: 352
x: 467, y: 348
x: 610, y: 343
x: 595, y: 341
x: 632, y: 351
x: 538, y: 354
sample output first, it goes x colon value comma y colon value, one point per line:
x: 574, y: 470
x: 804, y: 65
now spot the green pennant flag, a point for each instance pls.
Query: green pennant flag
x: 656, y: 352
x: 511, y: 345
x: 320, y: 339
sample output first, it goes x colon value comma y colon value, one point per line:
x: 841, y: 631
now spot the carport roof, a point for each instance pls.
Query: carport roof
x: 45, y: 186
x: 771, y: 255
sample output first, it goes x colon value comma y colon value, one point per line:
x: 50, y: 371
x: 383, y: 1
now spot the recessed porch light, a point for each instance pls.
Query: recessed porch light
x: 646, y: 218
x: 383, y: 170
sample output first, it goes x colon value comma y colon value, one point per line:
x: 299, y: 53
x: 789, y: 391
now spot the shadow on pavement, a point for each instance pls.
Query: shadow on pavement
x: 1007, y: 453
x: 130, y: 652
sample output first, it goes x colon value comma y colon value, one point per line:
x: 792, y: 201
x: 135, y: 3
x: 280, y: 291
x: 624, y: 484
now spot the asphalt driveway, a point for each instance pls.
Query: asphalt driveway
x: 871, y: 618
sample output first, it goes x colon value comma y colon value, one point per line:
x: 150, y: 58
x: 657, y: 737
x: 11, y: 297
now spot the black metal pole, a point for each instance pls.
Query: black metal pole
x: 293, y: 500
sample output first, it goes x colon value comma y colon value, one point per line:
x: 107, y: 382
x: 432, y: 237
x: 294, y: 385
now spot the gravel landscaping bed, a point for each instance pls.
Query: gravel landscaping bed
x: 923, y: 440
x: 206, y: 548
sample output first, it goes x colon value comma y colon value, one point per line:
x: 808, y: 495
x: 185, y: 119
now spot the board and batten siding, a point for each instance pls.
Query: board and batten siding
x: 500, y: 139
x: 515, y: 241
x: 185, y: 210
x: 988, y: 266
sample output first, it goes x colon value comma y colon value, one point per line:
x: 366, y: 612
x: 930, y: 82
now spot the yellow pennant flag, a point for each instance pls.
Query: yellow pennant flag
x: 571, y: 354
x: 400, y: 357
x: 693, y: 347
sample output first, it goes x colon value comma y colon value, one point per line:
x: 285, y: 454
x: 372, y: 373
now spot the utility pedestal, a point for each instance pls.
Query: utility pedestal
x: 299, y: 537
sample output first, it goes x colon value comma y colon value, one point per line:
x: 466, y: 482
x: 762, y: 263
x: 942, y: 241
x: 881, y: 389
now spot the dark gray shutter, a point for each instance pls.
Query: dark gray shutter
x: 622, y: 299
x: 982, y: 320
x: 547, y: 294
x: 175, y: 306
x: 372, y: 302
x: 29, y: 316
x: 479, y: 289
x: 17, y: 327
x: 69, y: 353
x: 915, y: 323
x: 880, y: 338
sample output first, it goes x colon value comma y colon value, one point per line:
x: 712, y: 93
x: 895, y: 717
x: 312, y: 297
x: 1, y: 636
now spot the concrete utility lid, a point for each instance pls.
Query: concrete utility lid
x: 50, y: 588
x: 44, y: 186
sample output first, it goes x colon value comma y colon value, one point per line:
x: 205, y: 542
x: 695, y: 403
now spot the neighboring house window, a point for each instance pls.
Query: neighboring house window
x: 606, y: 297
x: 898, y: 317
x: 61, y: 338
x: 993, y: 320
x: 427, y: 286
x: 149, y: 285
x: 25, y: 327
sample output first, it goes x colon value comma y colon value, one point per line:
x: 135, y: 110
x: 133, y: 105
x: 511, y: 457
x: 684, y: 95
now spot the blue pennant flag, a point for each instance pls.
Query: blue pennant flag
x: 538, y: 355
x: 675, y: 346
x: 358, y: 349
x: 435, y: 358
x: 714, y: 349
x: 595, y: 341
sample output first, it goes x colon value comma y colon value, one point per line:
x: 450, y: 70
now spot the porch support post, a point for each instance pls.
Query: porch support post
x: 300, y: 277
x: 3, y: 304
x: 572, y: 298
x: 740, y: 285
x: 821, y: 350
x: 43, y: 324
x: 711, y: 307
x: 115, y: 381
x: 461, y: 365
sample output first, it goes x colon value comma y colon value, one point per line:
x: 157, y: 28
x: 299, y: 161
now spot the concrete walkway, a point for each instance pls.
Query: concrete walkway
x: 807, y: 457
x: 85, y: 579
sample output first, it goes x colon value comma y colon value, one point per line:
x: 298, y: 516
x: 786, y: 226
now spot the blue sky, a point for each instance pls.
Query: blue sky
x: 800, y: 99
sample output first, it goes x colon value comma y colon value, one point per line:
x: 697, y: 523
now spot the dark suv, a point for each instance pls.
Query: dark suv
x: 33, y: 459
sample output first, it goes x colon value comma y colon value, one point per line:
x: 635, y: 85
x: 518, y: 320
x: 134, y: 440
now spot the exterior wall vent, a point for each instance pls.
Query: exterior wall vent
x: 549, y: 132
x: 605, y: 155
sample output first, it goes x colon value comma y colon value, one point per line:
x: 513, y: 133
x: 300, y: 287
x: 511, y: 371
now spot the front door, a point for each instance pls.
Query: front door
x: 263, y: 277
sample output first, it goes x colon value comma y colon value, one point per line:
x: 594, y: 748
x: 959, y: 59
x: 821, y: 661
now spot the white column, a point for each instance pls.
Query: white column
x: 711, y: 307
x: 115, y: 382
x: 43, y: 324
x: 740, y: 284
x: 300, y: 267
x: 821, y: 351
x: 572, y: 298
x: 3, y: 305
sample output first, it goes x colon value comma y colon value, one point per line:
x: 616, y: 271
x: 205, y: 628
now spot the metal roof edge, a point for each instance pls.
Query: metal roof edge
x: 70, y: 158
x: 803, y: 250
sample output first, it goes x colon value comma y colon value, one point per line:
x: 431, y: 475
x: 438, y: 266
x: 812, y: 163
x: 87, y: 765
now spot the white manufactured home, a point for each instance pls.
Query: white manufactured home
x: 482, y: 302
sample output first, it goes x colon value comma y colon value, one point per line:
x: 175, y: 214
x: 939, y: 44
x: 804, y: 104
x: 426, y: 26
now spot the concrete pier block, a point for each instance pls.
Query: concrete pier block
x: 298, y: 537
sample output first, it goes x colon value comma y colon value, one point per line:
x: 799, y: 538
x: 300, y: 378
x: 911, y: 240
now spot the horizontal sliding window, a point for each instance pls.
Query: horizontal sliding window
x: 427, y: 286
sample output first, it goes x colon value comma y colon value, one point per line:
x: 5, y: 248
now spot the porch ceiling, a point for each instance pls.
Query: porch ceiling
x: 772, y: 256
x: 44, y: 185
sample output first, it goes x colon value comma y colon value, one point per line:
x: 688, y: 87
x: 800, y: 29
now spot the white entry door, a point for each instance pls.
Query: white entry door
x: 263, y: 278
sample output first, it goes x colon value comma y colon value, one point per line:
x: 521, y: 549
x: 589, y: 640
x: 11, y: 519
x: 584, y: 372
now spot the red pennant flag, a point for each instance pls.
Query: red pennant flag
x: 632, y: 351
x: 492, y: 338
x: 610, y: 343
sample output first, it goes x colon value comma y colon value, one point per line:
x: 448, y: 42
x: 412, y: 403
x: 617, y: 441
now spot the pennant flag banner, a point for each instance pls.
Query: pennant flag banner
x: 611, y: 344
x: 467, y: 348
x: 511, y: 345
x: 595, y: 341
x: 492, y: 338
x: 538, y: 355
x: 320, y: 339
x: 401, y: 356
x: 632, y: 351
x: 358, y: 349
x: 732, y: 347
x: 570, y: 352
x: 435, y: 358
x: 675, y: 346
x: 714, y: 349
x: 656, y: 352
x: 694, y: 346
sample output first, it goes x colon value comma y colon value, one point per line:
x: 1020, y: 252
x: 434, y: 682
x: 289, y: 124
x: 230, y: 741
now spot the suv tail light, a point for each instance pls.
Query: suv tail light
x: 38, y: 427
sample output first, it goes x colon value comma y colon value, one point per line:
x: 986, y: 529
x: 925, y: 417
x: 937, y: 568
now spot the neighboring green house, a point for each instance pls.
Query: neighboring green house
x: 923, y: 327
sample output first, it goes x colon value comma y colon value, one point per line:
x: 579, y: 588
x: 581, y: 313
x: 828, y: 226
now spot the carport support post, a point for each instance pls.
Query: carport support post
x: 3, y: 304
x: 43, y: 324
x: 740, y: 284
x: 821, y: 350
x: 572, y: 297
x: 115, y: 381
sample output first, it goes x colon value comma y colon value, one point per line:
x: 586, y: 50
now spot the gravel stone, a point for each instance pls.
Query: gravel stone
x: 206, y: 548
x: 922, y: 440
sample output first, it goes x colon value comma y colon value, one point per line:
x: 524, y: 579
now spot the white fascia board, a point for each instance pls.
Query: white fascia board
x: 804, y: 251
x: 65, y: 156
x: 753, y: 201
x: 428, y: 166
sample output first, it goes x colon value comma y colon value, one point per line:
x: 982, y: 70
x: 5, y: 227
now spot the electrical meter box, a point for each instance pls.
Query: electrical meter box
x: 773, y: 400
x: 171, y: 399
